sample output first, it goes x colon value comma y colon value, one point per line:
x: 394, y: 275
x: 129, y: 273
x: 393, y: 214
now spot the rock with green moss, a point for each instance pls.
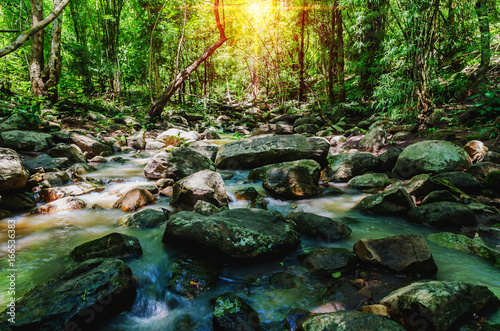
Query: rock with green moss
x: 263, y: 150
x: 368, y: 181
x: 113, y: 245
x: 436, y: 305
x: 78, y: 298
x: 407, y: 254
x: 470, y: 245
x: 461, y: 180
x: 443, y: 214
x: 313, y: 168
x: 344, y: 167
x: 148, y: 218
x: 236, y: 234
x: 287, y: 181
x: 349, y: 320
x: 392, y: 202
x: 232, y: 313
x: 72, y: 152
x: 30, y: 141
x: 373, y: 141
x: 190, y: 277
x: 438, y: 196
x: 492, y: 180
x: 326, y: 261
x: 481, y: 169
x: 432, y: 156
x: 319, y: 227
x: 389, y: 158
x: 419, y: 185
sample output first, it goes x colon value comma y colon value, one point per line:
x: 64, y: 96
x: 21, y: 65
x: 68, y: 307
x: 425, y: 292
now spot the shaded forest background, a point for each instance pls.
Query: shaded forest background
x: 401, y: 57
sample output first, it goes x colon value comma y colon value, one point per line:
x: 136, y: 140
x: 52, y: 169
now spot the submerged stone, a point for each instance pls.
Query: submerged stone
x: 113, y: 245
x: 232, y: 313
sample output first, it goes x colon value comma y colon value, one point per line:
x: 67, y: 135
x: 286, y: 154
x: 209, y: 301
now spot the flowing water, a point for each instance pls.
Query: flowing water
x: 44, y: 241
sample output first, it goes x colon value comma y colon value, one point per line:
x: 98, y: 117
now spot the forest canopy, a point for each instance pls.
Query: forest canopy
x: 401, y: 57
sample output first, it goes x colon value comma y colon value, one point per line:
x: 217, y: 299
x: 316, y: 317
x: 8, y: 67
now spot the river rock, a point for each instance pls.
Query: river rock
x: 476, y: 150
x: 458, y: 241
x: 46, y: 163
x: 438, y: 196
x: 17, y: 201
x: 232, y: 313
x: 288, y: 181
x: 68, y: 203
x: 391, y: 202
x: 481, y: 169
x: 436, y: 305
x: 389, y: 158
x: 147, y: 218
x: 13, y: 175
x: 15, y: 122
x: 134, y: 199
x: 344, y: 167
x: 461, y: 180
x: 349, y: 320
x: 181, y: 163
x: 320, y: 227
x: 263, y: 150
x: 419, y: 185
x: 368, y: 181
x: 246, y: 193
x: 113, y: 245
x: 255, y: 233
x: 408, y: 254
x: 72, y: 152
x: 325, y: 261
x: 443, y: 214
x: 492, y: 180
x: 48, y: 179
x: 30, y: 141
x: 205, y: 208
x: 137, y: 140
x: 205, y: 148
x: 312, y: 167
x: 373, y: 140
x: 80, y: 298
x: 190, y: 277
x: 432, y: 156
x: 204, y: 185
x: 91, y: 146
x: 278, y: 128
x: 53, y: 193
x: 306, y: 128
x: 78, y: 169
x: 491, y: 156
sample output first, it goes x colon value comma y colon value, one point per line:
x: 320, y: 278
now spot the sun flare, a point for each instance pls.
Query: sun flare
x: 258, y: 7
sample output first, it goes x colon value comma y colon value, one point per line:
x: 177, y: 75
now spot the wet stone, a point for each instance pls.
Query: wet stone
x: 113, y: 245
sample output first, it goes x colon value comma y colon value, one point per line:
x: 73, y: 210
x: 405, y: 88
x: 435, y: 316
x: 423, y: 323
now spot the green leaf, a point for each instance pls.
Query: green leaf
x: 336, y: 275
x: 490, y: 94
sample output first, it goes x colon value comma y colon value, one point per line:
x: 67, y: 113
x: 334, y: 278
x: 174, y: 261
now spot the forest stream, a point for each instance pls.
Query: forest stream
x: 45, y: 240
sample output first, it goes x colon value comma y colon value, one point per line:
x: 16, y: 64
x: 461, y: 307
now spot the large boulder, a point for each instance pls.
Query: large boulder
x: 263, y: 150
x: 254, y: 233
x: 368, y: 181
x: 80, y: 298
x: 389, y: 158
x: 205, y: 148
x: 15, y: 122
x: 147, y: 218
x: 30, y: 141
x: 190, y: 277
x: 320, y: 227
x: 344, y: 167
x: 407, y: 254
x: 68, y: 203
x: 312, y: 167
x: 137, y: 140
x: 470, y: 245
x: 181, y: 163
x: 13, y: 175
x: 373, y: 140
x: 91, y: 146
x: 349, y: 320
x: 419, y: 185
x: 46, y: 163
x: 72, y: 152
x: 232, y: 313
x: 443, y: 214
x: 289, y: 181
x: 432, y: 156
x: 326, y: 261
x: 113, y: 245
x: 436, y: 305
x: 273, y: 128
x: 173, y: 137
x: 204, y: 185
x: 53, y: 193
x: 392, y: 202
x: 134, y: 199
x: 461, y: 180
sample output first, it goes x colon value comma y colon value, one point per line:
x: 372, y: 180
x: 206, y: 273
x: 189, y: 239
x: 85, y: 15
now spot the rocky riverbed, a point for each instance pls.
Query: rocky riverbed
x: 275, y: 232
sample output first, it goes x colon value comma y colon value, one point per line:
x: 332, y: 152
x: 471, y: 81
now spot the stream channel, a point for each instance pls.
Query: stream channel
x: 44, y: 242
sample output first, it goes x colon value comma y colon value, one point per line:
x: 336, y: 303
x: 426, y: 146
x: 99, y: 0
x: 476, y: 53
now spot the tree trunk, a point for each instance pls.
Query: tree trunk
x: 159, y: 104
x: 484, y: 29
x: 340, y: 53
x: 36, y: 61
x: 302, y: 87
x: 81, y: 39
x: 52, y: 71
